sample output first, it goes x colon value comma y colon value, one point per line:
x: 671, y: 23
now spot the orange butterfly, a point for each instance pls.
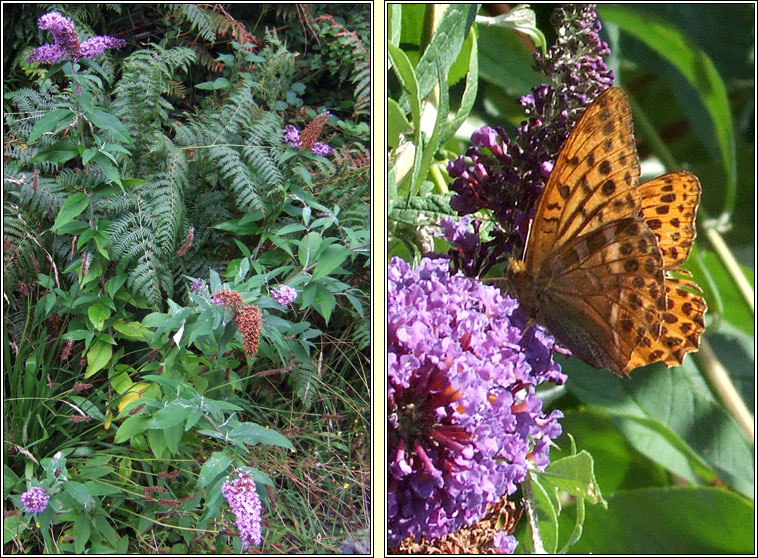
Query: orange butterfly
x: 601, y: 267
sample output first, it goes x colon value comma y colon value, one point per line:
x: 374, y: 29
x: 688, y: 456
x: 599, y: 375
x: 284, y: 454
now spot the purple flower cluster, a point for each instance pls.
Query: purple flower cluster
x: 507, y: 176
x: 198, y: 286
x: 35, y: 500
x: 321, y: 148
x: 505, y: 544
x: 463, y: 415
x: 292, y: 136
x: 67, y: 42
x: 284, y: 295
x: 243, y: 500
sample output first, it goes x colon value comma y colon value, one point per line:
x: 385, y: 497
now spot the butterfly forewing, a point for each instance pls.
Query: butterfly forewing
x: 593, y: 180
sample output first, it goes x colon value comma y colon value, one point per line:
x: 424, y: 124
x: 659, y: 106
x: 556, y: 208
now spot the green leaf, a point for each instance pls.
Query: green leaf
x: 157, y: 443
x: 109, y: 123
x: 469, y: 94
x: 169, y: 416
x: 50, y: 122
x: 71, y: 208
x: 214, y: 466
x: 397, y: 123
x: 82, y: 531
x: 324, y: 301
x: 308, y: 248
x: 546, y: 509
x: 675, y: 520
x: 253, y: 434
x: 108, y: 167
x: 79, y: 493
x: 407, y: 77
x: 216, y: 84
x: 133, y: 331
x: 59, y: 152
x: 446, y: 43
x: 329, y: 260
x: 574, y: 474
x: 130, y: 428
x: 97, y: 314
x: 671, y: 416
x: 98, y: 356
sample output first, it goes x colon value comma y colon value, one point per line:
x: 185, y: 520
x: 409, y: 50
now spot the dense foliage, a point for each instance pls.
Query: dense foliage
x: 475, y: 120
x: 186, y: 294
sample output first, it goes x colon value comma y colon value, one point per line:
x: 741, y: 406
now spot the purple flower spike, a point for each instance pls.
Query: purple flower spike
x: 322, y: 149
x: 292, y: 135
x: 243, y: 500
x: 67, y: 42
x: 35, y: 500
x: 284, y: 295
x: 506, y: 176
x: 463, y: 418
x: 92, y: 48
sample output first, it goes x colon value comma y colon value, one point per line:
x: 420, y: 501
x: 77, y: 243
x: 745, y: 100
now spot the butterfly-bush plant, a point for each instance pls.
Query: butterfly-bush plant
x: 446, y: 463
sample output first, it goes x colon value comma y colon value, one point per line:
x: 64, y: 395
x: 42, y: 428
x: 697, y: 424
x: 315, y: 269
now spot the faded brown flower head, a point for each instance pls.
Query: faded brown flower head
x: 228, y: 299
x: 79, y: 387
x: 312, y: 131
x: 248, y: 322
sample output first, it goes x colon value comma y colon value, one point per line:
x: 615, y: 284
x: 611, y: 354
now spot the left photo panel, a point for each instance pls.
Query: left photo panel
x: 187, y: 278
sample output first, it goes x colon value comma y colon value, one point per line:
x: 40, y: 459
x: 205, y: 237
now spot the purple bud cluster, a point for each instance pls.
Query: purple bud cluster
x: 67, y: 42
x: 506, y: 176
x: 243, y: 500
x: 463, y: 415
x: 284, y: 295
x: 35, y: 500
x: 292, y: 136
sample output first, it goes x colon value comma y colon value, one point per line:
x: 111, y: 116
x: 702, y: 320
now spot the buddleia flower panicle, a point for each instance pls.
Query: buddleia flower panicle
x: 35, y: 500
x: 198, y: 286
x: 240, y: 492
x: 312, y: 131
x: 284, y: 294
x: 248, y: 322
x: 322, y: 149
x: 292, y: 135
x: 247, y: 318
x: 505, y: 175
x: 308, y: 139
x: 67, y: 43
x: 463, y: 414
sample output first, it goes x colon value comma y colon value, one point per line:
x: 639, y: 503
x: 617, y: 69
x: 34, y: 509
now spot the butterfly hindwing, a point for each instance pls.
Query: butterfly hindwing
x: 669, y: 204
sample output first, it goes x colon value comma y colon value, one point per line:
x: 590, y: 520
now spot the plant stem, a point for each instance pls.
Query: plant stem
x: 531, y: 514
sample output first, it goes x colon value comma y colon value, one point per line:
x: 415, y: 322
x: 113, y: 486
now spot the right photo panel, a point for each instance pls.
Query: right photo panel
x: 570, y: 301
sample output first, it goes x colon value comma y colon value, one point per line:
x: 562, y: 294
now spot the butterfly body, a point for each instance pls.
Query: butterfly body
x: 601, y: 264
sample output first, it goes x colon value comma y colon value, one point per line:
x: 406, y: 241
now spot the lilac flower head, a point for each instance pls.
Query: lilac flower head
x: 67, y: 41
x: 504, y: 543
x: 284, y: 294
x: 94, y: 47
x: 322, y: 149
x: 464, y: 417
x: 198, y: 286
x: 35, y: 500
x: 292, y: 135
x: 506, y: 176
x: 243, y: 500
